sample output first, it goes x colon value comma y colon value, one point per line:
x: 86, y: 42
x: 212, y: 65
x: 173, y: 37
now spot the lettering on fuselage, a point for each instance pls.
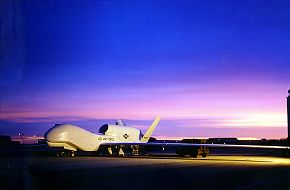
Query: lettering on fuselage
x: 107, y: 138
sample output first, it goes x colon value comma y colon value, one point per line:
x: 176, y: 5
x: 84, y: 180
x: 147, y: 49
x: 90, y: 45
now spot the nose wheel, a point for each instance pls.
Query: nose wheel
x: 65, y: 153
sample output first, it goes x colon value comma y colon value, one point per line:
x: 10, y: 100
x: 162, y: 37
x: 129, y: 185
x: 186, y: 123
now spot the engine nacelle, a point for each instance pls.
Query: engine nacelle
x: 121, y: 133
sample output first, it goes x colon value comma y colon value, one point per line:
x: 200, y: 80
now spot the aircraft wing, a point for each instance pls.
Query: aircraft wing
x: 198, y: 145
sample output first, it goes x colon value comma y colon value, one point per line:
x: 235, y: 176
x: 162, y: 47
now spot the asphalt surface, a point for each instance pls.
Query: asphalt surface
x: 155, y: 172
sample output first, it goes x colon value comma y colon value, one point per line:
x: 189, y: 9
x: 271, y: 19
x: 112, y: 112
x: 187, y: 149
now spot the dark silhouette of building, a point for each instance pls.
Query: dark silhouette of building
x: 288, y: 113
x: 6, y: 140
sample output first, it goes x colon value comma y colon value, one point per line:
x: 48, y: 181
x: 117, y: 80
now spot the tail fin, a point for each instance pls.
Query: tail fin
x: 149, y: 132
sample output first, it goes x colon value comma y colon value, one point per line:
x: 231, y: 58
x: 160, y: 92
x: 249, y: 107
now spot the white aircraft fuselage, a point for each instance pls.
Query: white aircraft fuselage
x: 72, y: 137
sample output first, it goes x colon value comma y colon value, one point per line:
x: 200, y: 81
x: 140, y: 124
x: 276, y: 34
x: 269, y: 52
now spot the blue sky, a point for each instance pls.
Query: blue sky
x: 138, y: 59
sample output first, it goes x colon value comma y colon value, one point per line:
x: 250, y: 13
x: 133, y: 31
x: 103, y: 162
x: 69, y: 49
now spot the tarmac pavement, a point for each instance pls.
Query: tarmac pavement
x: 151, y: 172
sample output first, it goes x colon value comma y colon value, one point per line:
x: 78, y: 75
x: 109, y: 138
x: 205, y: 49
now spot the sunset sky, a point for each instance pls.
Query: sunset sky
x: 208, y: 68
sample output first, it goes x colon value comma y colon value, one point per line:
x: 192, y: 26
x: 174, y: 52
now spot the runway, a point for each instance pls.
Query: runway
x: 154, y: 172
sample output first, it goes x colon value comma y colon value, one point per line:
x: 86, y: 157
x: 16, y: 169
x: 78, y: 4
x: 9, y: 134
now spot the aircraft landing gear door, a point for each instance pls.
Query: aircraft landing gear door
x: 121, y: 151
x: 135, y: 150
x: 110, y: 150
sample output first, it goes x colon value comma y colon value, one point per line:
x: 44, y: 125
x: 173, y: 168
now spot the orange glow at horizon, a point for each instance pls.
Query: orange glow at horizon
x: 243, y: 120
x: 258, y: 120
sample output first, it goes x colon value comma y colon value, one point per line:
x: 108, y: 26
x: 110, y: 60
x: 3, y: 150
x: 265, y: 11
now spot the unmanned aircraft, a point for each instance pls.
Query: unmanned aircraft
x: 119, y: 139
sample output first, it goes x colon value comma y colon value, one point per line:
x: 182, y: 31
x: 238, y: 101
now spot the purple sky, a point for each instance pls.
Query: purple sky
x: 207, y: 68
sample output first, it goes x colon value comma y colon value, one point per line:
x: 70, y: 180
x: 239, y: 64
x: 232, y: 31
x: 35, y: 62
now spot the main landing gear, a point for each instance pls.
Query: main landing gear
x: 192, y: 151
x: 120, y: 150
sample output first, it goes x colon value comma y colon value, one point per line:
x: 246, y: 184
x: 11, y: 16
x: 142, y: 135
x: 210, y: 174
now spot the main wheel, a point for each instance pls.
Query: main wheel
x: 193, y: 155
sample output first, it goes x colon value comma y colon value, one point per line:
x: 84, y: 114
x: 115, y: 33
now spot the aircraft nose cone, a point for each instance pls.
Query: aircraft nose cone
x: 58, y: 133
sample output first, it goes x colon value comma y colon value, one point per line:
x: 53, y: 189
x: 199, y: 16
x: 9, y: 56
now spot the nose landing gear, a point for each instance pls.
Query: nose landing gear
x: 65, y: 153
